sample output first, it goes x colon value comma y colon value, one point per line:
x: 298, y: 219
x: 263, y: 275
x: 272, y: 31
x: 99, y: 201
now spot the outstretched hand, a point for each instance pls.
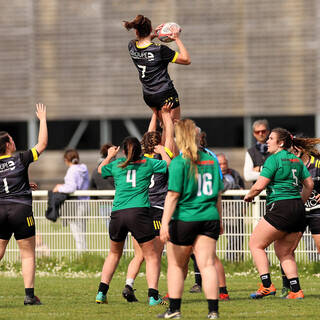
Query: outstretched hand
x: 112, y: 151
x: 41, y: 111
x: 166, y: 108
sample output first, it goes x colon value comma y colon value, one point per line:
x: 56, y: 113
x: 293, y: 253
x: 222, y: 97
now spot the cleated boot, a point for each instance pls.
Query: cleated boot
x: 35, y: 301
x: 170, y: 315
x: 295, y: 295
x: 128, y: 294
x: 263, y: 292
x: 101, y: 298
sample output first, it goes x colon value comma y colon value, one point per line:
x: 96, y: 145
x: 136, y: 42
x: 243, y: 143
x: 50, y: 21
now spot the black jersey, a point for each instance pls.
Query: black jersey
x: 159, y: 184
x: 314, y: 168
x: 14, y: 180
x: 152, y: 63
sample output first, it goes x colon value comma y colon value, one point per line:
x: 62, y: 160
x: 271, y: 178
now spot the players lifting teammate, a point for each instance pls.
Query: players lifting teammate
x: 16, y: 215
x: 151, y: 60
x: 151, y: 142
x: 130, y: 213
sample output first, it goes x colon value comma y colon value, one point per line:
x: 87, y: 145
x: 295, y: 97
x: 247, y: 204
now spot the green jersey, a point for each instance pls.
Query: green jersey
x: 132, y: 182
x: 198, y: 196
x: 285, y: 171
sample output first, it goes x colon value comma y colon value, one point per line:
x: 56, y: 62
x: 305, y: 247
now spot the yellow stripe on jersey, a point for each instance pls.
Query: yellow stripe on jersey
x: 143, y: 47
x: 35, y: 154
x: 175, y: 57
x: 154, y: 224
x: 6, y: 156
x: 312, y: 159
x: 28, y: 221
x: 149, y: 155
x: 169, y: 153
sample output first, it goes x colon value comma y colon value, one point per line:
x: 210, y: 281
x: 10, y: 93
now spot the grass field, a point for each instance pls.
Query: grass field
x: 71, y: 296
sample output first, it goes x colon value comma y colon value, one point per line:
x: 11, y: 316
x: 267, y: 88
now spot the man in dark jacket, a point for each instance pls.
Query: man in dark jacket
x: 256, y: 155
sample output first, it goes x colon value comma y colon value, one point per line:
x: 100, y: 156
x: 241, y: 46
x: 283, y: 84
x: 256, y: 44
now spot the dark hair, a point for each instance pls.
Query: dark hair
x: 203, y: 140
x: 72, y: 156
x: 104, y: 149
x: 307, y: 145
x: 4, y: 139
x: 141, y: 23
x: 150, y: 140
x: 132, y: 150
x: 285, y: 136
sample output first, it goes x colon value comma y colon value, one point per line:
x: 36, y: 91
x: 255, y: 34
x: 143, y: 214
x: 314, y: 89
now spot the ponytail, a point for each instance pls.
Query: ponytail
x: 132, y: 150
x: 140, y: 23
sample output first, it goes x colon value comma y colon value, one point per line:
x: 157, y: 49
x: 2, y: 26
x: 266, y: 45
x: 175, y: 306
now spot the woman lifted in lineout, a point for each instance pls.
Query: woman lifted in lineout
x: 151, y: 61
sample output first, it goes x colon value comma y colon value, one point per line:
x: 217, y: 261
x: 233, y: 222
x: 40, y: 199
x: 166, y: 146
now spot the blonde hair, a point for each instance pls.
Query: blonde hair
x: 186, y: 139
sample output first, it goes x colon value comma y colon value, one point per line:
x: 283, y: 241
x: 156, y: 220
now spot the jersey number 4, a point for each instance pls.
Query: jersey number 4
x: 131, y: 177
x: 5, y: 183
x: 204, y: 184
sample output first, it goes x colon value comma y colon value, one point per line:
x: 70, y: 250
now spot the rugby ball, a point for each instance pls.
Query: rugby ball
x: 164, y: 31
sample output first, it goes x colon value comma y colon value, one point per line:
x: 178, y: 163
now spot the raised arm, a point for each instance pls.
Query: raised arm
x: 112, y: 152
x: 168, y: 129
x: 43, y: 130
x: 153, y: 122
x: 183, y: 56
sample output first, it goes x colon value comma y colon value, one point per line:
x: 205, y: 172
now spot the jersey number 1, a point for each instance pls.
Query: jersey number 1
x: 131, y: 177
x: 5, y: 183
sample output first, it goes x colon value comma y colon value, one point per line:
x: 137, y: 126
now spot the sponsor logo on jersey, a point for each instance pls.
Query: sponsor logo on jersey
x: 142, y: 55
x: 5, y: 166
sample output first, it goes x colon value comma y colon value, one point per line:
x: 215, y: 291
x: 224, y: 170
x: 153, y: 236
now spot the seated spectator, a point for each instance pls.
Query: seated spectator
x: 233, y: 225
x: 76, y: 178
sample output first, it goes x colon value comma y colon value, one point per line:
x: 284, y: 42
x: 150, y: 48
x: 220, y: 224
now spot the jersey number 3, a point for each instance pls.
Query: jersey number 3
x: 131, y: 177
x: 204, y: 184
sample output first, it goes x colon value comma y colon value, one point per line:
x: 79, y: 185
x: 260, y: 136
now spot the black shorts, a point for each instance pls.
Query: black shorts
x: 135, y: 220
x: 313, y: 221
x: 184, y: 233
x: 17, y: 219
x: 286, y: 215
x: 156, y: 215
x: 157, y: 100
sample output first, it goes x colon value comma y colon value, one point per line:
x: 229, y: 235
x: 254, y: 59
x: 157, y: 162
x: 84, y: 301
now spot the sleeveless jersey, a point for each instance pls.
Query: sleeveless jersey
x: 159, y: 184
x: 198, y: 197
x: 312, y: 205
x: 132, y: 182
x: 152, y: 62
x: 285, y: 171
x: 14, y: 180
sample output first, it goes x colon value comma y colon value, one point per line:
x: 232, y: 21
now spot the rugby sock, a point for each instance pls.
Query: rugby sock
x: 175, y: 304
x: 223, y: 290
x: 103, y: 287
x: 294, y: 284
x: 197, y: 275
x: 153, y: 293
x: 130, y: 282
x: 213, y: 305
x: 266, y: 280
x: 285, y: 281
x: 29, y: 292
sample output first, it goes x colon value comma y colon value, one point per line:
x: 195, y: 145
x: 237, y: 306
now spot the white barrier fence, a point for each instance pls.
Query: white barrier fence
x: 83, y: 227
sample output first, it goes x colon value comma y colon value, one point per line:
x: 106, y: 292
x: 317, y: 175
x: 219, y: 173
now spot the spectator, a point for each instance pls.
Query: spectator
x: 256, y: 155
x: 234, y: 218
x: 77, y: 178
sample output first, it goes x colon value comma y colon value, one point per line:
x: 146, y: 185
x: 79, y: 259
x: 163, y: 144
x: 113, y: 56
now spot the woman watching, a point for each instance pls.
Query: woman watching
x: 285, y: 214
